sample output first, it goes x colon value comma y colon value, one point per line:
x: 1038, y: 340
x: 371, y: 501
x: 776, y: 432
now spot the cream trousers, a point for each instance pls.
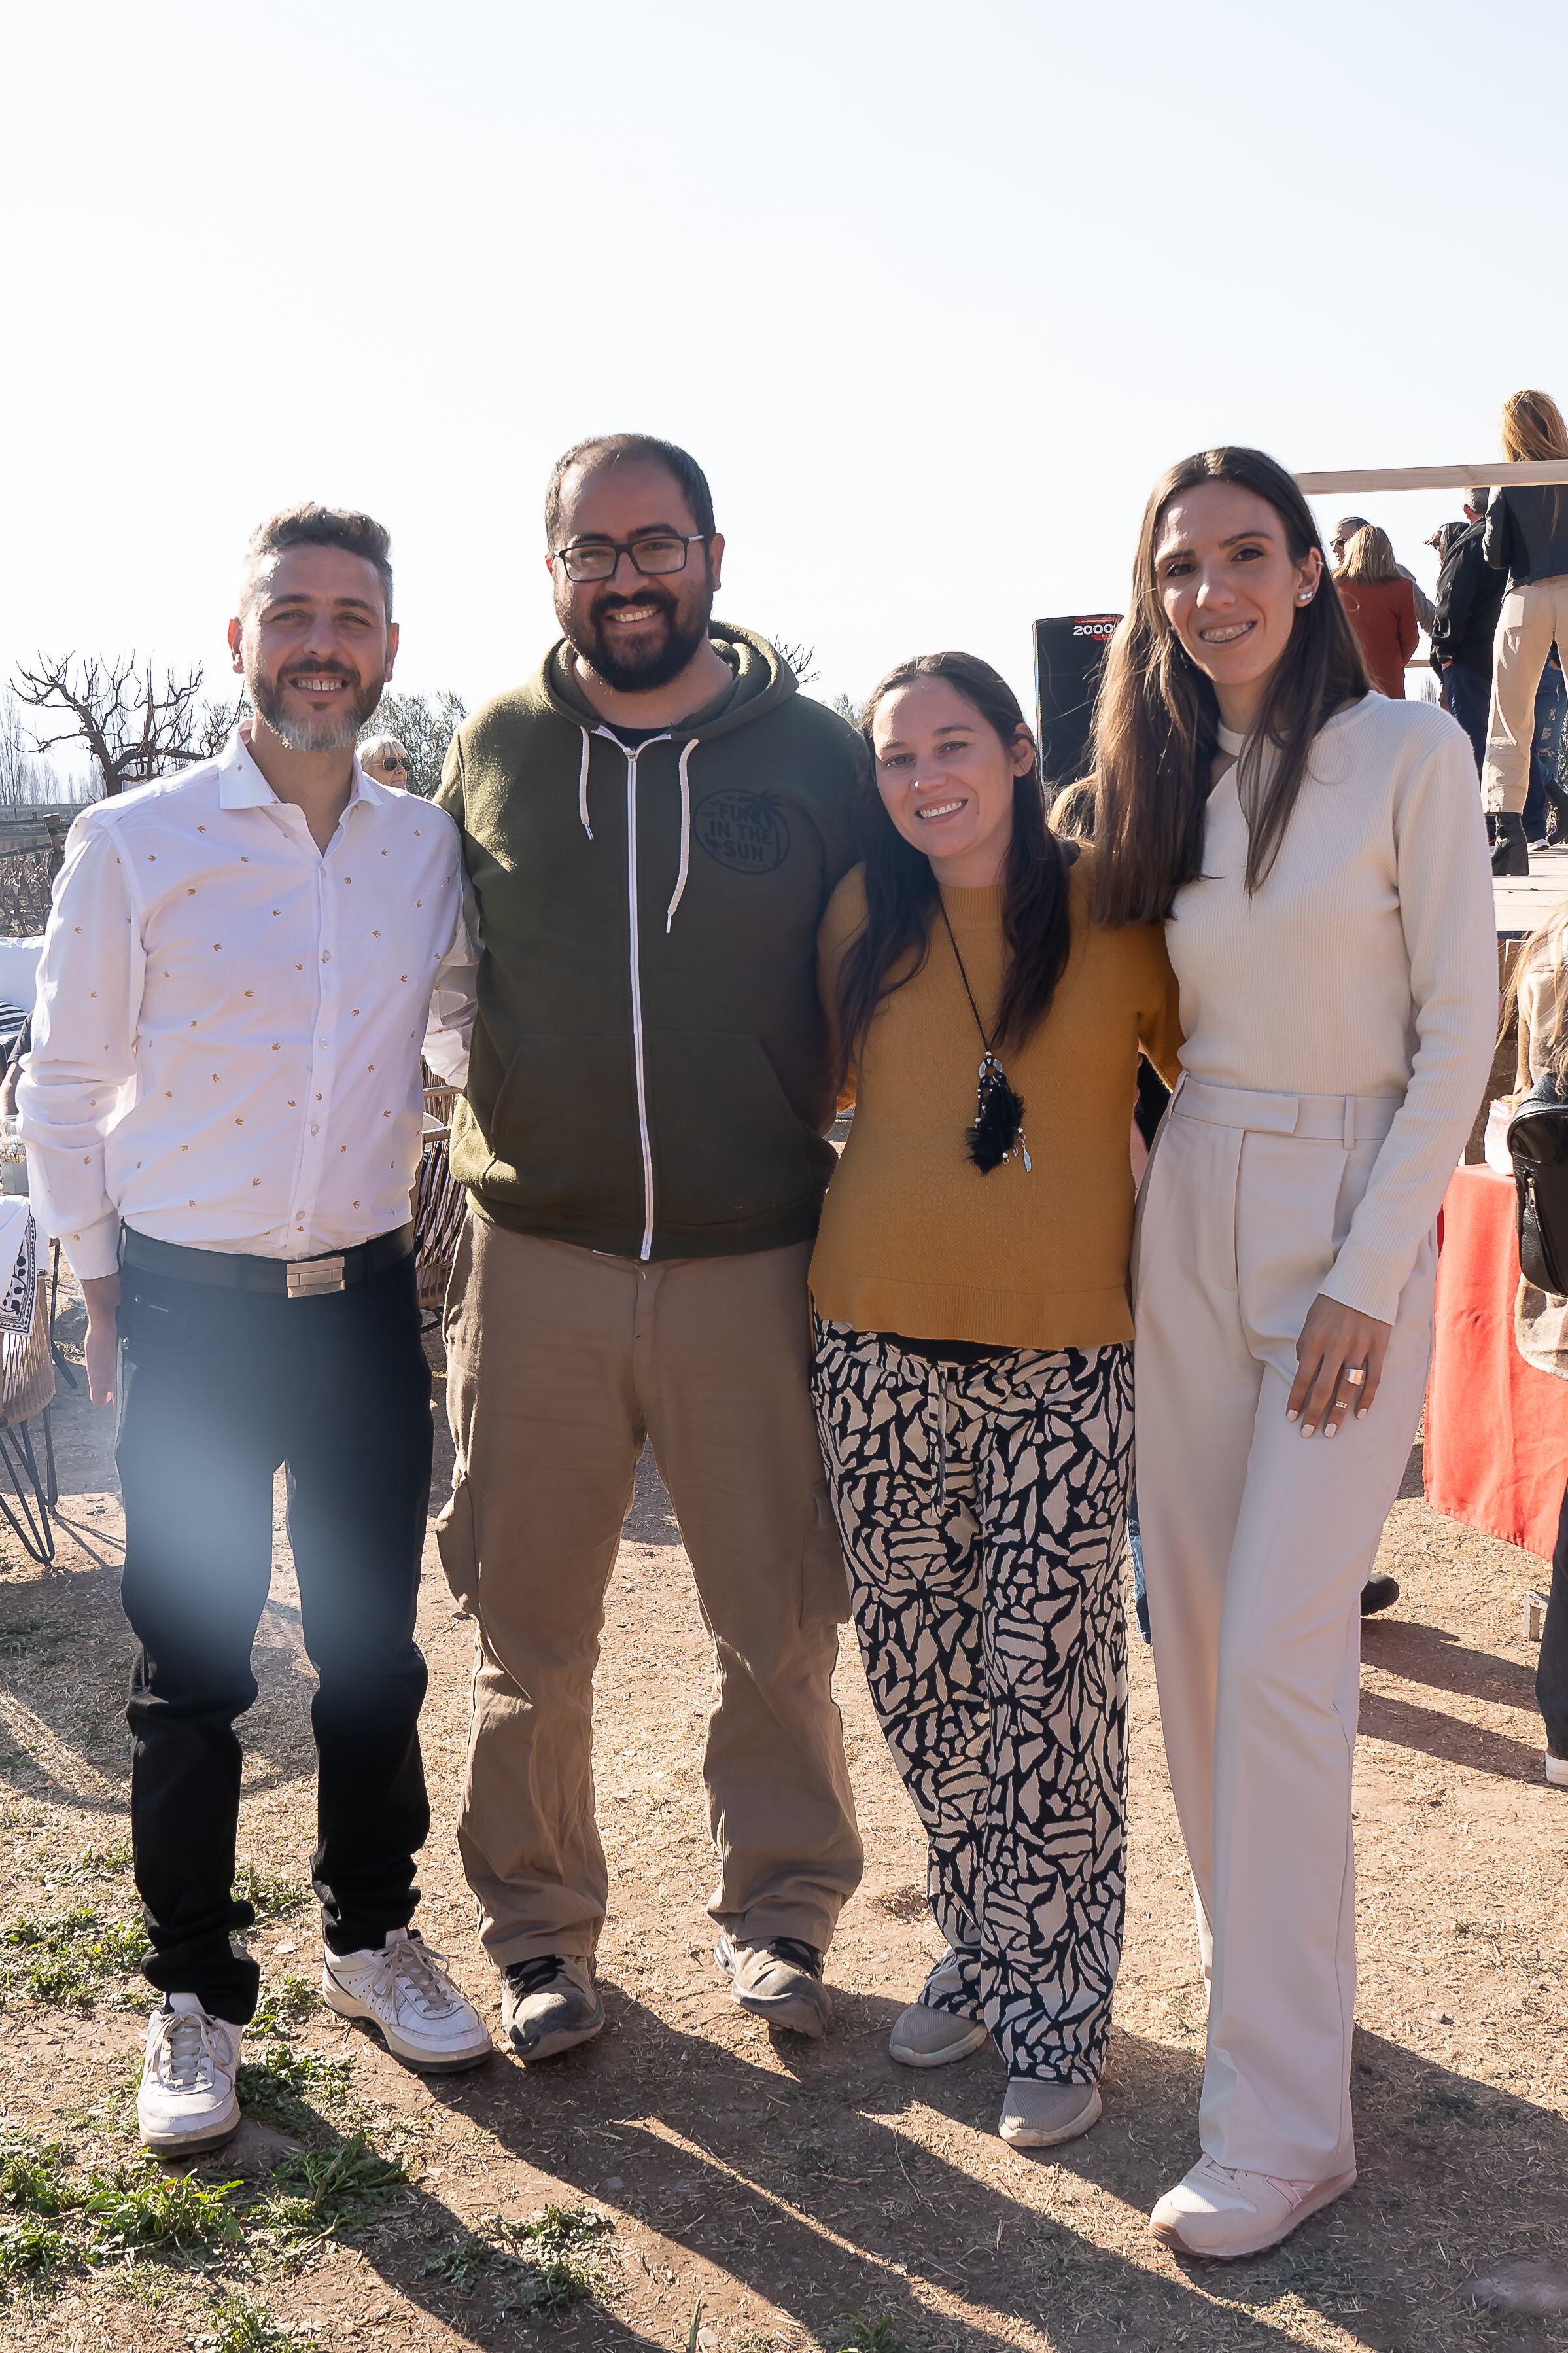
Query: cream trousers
x: 1530, y: 618
x: 1257, y: 1542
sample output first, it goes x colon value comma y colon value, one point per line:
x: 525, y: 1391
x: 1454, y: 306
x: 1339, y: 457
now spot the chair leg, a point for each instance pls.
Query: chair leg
x: 35, y: 1530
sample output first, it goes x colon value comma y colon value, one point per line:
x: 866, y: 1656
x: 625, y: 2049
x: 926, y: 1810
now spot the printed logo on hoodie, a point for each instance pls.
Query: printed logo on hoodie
x: 747, y: 832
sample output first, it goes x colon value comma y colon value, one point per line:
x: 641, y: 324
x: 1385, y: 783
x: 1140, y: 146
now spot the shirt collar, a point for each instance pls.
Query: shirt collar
x: 241, y: 784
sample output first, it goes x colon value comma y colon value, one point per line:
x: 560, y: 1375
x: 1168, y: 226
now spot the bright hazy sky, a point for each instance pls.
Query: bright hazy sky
x: 931, y: 291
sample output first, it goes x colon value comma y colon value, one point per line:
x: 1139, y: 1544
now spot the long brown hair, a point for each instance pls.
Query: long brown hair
x: 903, y: 892
x: 1369, y: 557
x: 1533, y: 427
x: 1156, y: 719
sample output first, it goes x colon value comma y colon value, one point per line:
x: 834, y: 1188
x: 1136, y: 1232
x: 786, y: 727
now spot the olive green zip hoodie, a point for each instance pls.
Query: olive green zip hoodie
x: 650, y: 1069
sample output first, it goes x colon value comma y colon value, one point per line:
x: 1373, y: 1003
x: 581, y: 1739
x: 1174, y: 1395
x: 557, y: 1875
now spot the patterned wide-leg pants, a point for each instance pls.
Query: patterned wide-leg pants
x: 982, y: 1509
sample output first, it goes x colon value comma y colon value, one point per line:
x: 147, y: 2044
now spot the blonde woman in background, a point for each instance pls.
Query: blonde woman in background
x: 384, y: 757
x: 1380, y: 604
x: 1541, y: 1322
x: 1527, y: 537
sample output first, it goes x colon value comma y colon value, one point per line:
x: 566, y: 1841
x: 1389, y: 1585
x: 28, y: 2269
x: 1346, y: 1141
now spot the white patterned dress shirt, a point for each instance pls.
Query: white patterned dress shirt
x: 229, y: 1021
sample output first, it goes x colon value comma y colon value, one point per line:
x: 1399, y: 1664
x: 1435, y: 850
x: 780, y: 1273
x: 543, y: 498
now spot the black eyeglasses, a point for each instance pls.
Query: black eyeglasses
x: 652, y: 553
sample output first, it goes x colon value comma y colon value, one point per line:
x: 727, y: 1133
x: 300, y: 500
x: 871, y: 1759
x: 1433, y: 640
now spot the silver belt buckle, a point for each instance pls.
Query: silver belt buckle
x: 308, y: 1277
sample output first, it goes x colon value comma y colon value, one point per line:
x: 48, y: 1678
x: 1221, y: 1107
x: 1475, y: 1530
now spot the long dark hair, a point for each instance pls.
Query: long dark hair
x: 1156, y: 720
x: 903, y: 893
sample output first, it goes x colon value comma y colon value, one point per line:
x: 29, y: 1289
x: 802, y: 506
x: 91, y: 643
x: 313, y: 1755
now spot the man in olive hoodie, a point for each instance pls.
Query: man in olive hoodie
x: 654, y: 825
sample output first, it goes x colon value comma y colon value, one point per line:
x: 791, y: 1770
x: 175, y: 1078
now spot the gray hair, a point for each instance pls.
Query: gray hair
x: 374, y: 747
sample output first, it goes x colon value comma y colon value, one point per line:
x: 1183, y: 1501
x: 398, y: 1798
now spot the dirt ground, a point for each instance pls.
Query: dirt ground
x: 760, y: 2194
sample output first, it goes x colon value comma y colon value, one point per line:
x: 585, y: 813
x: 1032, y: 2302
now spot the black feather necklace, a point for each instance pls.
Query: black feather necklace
x: 998, y: 1129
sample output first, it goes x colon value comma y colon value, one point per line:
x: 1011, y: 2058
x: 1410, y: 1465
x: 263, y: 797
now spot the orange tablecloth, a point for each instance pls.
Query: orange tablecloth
x: 1497, y: 1431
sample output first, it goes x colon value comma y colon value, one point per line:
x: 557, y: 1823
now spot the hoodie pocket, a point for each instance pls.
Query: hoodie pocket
x: 561, y: 1140
x: 729, y: 1146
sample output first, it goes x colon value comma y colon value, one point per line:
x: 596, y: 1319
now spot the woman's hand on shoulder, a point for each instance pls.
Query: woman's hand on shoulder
x: 1336, y: 1342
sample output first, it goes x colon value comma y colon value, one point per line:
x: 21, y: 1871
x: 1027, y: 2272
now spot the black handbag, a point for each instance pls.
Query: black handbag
x: 1538, y: 1144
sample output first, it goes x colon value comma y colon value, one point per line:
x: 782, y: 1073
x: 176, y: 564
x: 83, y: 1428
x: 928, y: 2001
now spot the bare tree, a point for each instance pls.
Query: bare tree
x: 26, y: 781
x: 801, y: 659
x: 133, y: 726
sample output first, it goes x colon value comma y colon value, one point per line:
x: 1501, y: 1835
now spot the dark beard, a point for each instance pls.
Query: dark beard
x: 334, y: 732
x: 639, y: 673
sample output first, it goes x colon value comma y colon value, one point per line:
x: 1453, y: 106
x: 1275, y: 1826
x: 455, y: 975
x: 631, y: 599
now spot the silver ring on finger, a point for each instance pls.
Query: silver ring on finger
x: 1354, y: 1377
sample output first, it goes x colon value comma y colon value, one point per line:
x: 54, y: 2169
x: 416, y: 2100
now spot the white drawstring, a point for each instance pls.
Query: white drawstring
x: 685, y: 837
x: 583, y: 784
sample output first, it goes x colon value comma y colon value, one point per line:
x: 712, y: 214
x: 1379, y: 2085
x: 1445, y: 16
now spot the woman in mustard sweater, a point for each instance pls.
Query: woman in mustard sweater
x: 973, y: 1376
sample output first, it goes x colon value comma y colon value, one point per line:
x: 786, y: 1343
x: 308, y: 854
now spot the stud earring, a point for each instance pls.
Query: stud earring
x: 1305, y: 598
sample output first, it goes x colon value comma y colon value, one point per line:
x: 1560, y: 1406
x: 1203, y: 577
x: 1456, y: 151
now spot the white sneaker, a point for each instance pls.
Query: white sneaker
x: 1557, y: 1770
x: 405, y: 1990
x: 186, y: 2100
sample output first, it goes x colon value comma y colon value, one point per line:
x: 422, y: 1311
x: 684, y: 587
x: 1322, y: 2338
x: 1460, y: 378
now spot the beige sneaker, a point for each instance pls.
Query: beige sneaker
x: 1223, y: 2213
x: 1037, y: 2114
x: 779, y: 1982
x: 924, y: 2037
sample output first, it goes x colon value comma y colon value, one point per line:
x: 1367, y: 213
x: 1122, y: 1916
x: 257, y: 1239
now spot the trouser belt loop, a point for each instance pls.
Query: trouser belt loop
x: 1350, y: 1123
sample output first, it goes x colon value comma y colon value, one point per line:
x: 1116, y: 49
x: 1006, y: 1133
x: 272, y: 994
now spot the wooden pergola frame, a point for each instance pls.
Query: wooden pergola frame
x: 1497, y: 473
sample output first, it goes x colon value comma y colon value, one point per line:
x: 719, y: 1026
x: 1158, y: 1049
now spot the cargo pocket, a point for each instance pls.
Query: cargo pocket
x: 823, y: 1586
x: 458, y: 1546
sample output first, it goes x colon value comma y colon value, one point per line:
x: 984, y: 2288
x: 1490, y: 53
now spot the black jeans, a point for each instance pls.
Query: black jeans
x: 1552, y: 1673
x: 217, y: 1387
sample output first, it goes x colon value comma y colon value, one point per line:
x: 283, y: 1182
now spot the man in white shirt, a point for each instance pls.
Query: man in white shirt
x: 223, y: 1111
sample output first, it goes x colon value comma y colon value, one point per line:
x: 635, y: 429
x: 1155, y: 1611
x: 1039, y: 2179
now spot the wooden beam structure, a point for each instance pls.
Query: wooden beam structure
x: 1497, y: 473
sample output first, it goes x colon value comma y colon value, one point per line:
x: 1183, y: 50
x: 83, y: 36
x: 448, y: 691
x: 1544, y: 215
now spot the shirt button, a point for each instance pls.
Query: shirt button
x: 326, y: 956
x: 315, y: 1127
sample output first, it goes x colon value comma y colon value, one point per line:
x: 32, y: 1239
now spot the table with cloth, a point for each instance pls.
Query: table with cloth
x: 1497, y: 1429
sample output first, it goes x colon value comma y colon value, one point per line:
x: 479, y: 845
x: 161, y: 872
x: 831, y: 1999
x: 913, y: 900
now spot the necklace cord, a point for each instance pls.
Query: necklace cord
x: 963, y: 978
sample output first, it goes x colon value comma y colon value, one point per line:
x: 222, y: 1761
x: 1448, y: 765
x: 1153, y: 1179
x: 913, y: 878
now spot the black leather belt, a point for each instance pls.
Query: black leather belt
x: 296, y: 1278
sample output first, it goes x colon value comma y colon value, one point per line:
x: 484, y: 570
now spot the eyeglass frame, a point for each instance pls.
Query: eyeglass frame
x: 617, y: 548
x: 399, y: 760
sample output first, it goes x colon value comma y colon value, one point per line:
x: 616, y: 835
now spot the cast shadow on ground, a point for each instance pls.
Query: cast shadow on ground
x: 1450, y: 1737
x: 1426, y: 1654
x: 751, y: 2171
x: 761, y: 2174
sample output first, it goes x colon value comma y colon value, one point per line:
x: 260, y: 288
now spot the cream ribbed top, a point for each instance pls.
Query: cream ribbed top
x: 1365, y: 966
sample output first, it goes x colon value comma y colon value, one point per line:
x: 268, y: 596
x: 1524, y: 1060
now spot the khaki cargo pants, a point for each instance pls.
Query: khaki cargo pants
x: 560, y: 1360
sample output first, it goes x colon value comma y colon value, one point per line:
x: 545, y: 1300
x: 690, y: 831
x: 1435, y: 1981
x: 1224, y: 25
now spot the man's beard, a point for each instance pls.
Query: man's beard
x: 630, y: 671
x: 333, y: 730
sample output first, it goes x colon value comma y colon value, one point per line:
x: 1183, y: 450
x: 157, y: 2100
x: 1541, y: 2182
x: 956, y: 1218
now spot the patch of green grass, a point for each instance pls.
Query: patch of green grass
x: 142, y: 2208
x: 858, y: 2336
x: 32, y: 2177
x: 555, y: 2260
x: 30, y: 2249
x: 98, y: 1862
x: 273, y: 2089
x: 267, y: 1897
x: 287, y: 2004
x: 331, y: 2189
x: 70, y: 1960
x: 244, y: 2328
x: 42, y: 1636
x: 459, y: 2263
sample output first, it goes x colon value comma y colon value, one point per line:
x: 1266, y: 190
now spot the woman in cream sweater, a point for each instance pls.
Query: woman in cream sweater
x: 973, y: 1377
x: 1319, y: 855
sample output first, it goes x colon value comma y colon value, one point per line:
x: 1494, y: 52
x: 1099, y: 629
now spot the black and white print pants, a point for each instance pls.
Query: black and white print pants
x: 982, y: 1509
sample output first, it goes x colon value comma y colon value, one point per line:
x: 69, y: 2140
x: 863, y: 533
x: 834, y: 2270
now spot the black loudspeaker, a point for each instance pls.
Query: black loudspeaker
x: 1068, y: 652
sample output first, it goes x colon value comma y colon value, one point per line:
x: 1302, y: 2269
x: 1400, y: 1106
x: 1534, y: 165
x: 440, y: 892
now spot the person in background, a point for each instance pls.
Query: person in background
x: 973, y: 1365
x: 384, y: 757
x: 1526, y: 541
x: 1380, y: 603
x: 223, y: 1114
x: 1345, y: 529
x: 654, y: 824
x: 1541, y: 1322
x: 1319, y: 854
x: 16, y: 1061
x: 1470, y: 599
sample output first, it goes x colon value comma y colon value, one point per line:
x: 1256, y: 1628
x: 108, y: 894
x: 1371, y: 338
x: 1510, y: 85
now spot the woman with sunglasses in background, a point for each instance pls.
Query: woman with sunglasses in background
x: 1318, y: 854
x: 972, y: 1378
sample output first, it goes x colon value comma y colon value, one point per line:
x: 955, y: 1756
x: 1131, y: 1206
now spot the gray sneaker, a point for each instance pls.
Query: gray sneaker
x: 779, y: 1982
x: 1037, y: 2113
x: 549, y: 2003
x: 933, y: 2037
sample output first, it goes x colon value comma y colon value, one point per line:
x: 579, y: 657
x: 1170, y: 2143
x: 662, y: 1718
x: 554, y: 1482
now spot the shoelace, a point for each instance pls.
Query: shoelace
x: 798, y: 1955
x: 189, y: 2050
x: 420, y: 1967
x: 533, y: 1977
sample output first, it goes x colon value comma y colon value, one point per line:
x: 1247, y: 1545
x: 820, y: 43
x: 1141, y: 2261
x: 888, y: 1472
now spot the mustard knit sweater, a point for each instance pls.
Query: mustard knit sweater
x: 913, y: 1239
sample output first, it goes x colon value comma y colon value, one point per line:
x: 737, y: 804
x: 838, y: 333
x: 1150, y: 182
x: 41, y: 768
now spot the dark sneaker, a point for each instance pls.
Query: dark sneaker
x: 1377, y: 1594
x: 779, y: 1982
x: 549, y: 2003
x: 1510, y: 851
